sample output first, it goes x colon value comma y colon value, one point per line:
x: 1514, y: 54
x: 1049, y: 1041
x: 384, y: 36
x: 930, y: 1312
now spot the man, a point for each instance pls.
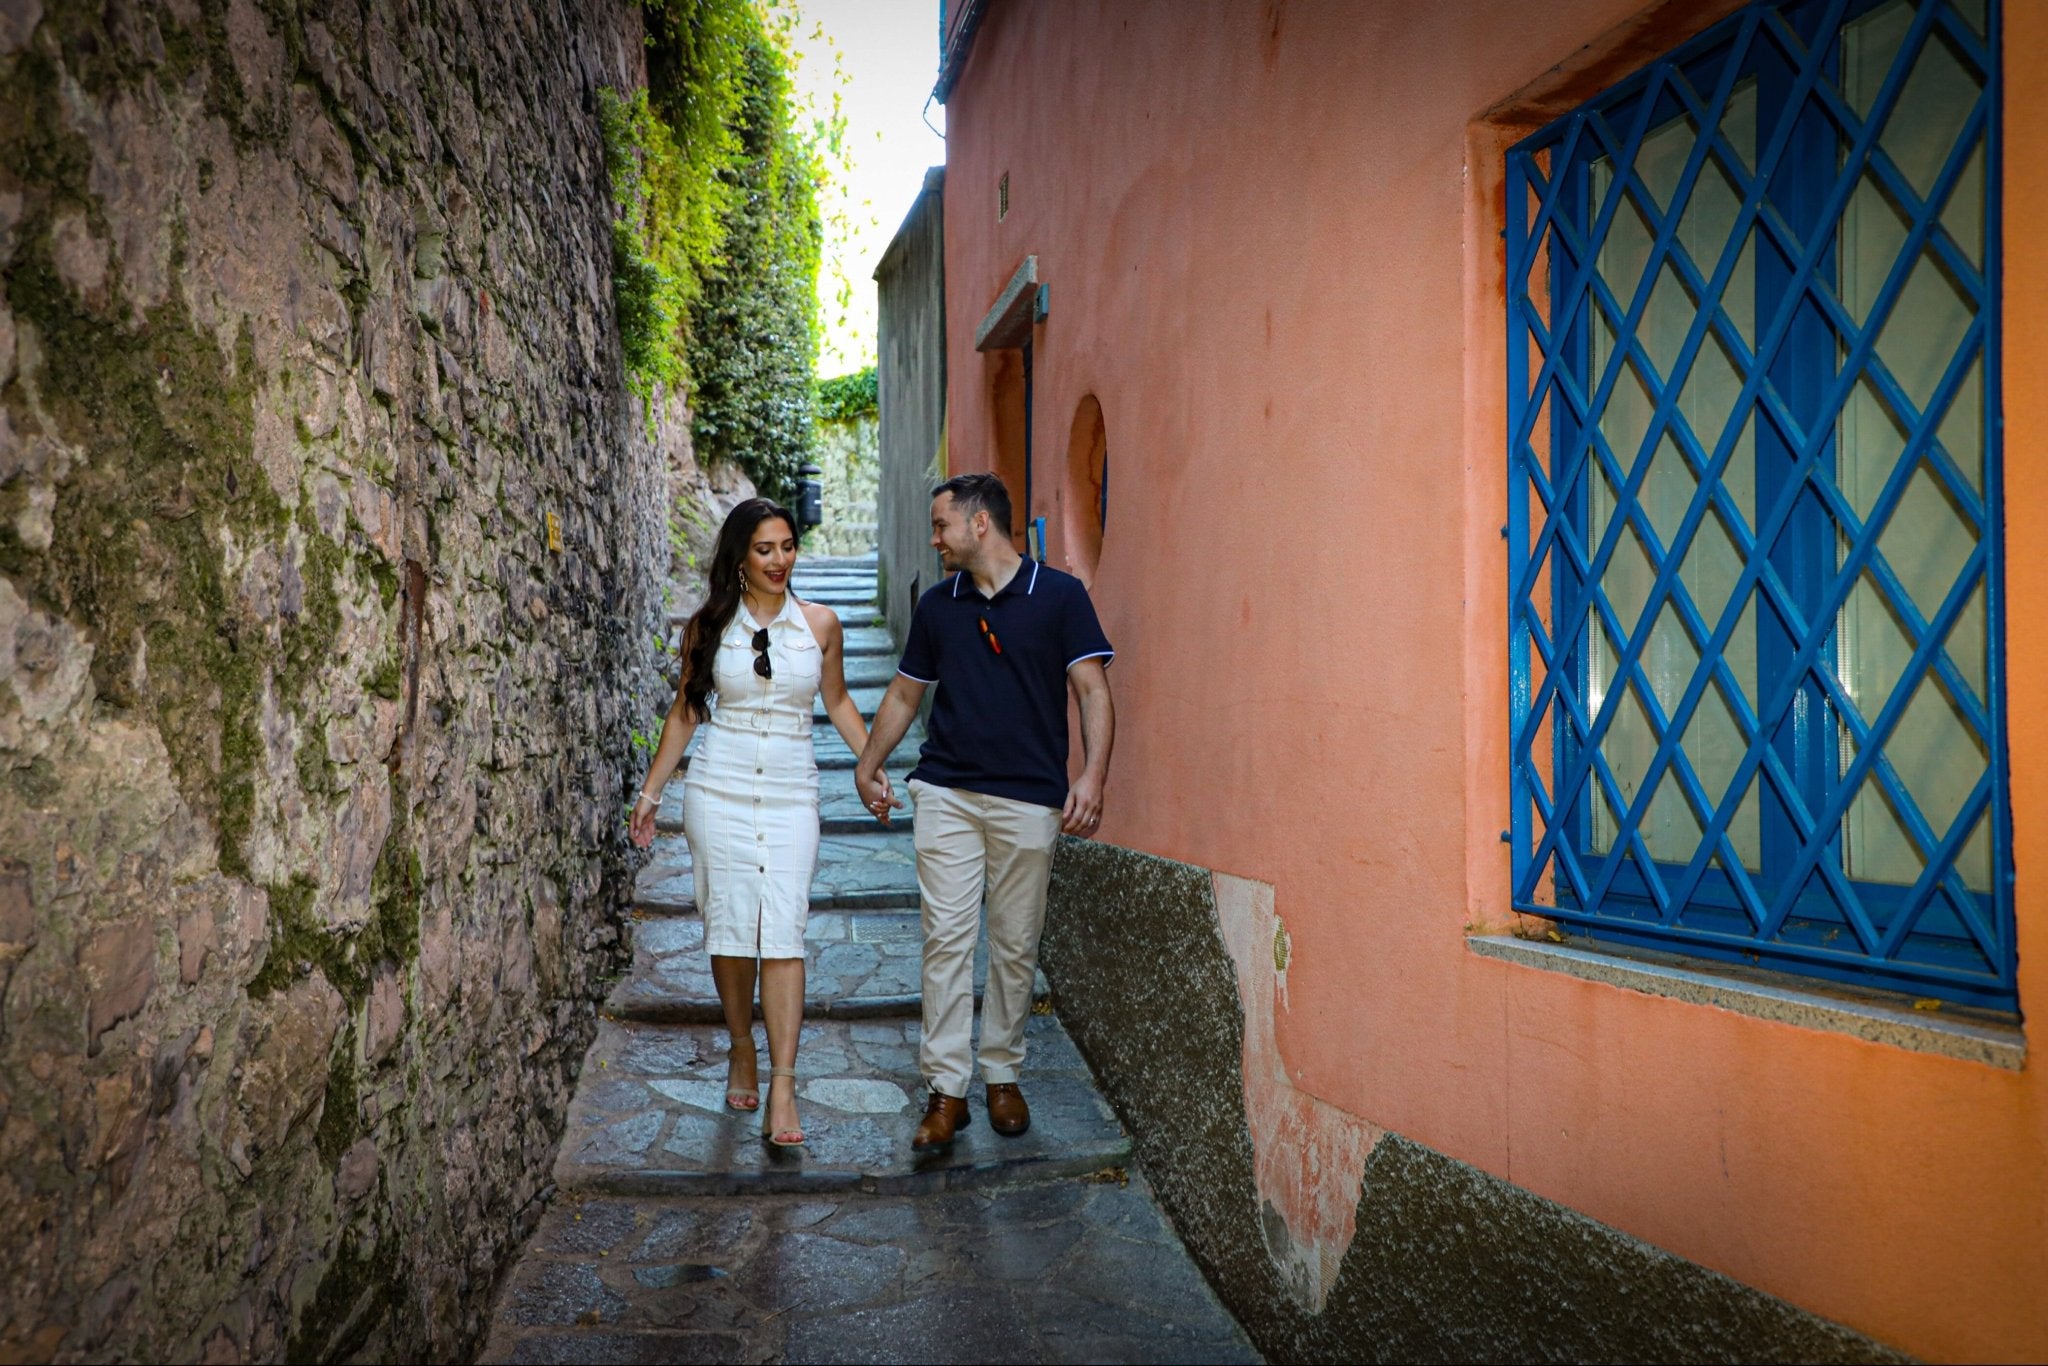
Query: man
x: 1003, y: 638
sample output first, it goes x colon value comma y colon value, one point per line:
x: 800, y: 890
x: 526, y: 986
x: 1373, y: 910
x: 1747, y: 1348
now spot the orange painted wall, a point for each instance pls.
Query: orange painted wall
x: 1270, y: 235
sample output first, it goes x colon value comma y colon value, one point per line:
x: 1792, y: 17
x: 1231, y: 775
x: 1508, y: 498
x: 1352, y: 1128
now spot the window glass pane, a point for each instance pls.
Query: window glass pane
x: 1937, y: 755
x: 1711, y: 741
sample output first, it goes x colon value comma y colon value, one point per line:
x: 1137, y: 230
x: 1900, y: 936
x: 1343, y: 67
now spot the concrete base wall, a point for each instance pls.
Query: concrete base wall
x: 1441, y: 1261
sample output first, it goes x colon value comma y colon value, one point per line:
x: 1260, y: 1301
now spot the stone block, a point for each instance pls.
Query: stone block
x: 357, y: 1174
x: 287, y: 1042
x: 120, y: 1111
x: 361, y: 827
x: 258, y: 54
x: 386, y: 1021
x: 18, y: 19
x: 197, y: 939
x: 80, y: 258
x: 17, y: 905
x: 319, y: 148
x: 120, y: 967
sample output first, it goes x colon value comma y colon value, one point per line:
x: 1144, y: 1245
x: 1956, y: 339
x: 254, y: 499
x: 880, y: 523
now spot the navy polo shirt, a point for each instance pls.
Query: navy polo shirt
x: 999, y: 718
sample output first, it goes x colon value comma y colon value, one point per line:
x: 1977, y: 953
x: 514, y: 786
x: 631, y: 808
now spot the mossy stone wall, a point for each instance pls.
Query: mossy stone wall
x: 328, y: 597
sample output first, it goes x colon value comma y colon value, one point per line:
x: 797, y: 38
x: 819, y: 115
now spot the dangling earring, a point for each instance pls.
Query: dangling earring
x: 743, y: 579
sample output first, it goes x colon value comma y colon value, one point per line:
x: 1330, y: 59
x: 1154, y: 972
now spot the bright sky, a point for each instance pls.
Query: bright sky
x: 888, y: 55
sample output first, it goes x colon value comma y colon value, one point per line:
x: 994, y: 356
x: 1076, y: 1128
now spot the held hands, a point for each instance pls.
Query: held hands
x: 876, y: 795
x: 1083, y: 812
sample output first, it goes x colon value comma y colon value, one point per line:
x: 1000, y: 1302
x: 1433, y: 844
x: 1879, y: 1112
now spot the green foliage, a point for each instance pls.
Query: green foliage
x: 665, y: 150
x: 716, y: 245
x: 653, y: 277
x: 845, y: 397
x: 754, y: 332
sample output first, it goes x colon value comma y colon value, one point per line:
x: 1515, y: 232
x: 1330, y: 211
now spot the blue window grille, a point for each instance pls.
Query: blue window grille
x: 1755, y: 613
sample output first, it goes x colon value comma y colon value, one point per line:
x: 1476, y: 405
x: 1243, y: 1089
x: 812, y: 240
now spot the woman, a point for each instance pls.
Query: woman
x: 754, y: 657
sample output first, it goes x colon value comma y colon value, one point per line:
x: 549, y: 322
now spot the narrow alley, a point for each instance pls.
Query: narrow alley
x: 676, y: 1234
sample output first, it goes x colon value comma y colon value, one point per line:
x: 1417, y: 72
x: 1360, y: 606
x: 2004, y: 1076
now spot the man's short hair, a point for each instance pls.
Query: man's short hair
x: 974, y: 493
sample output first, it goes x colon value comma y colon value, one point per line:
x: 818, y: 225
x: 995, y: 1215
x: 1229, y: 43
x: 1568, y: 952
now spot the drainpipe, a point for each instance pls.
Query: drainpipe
x: 1030, y: 522
x: 1034, y: 526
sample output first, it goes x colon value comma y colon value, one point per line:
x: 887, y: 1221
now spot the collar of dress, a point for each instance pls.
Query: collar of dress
x: 743, y: 624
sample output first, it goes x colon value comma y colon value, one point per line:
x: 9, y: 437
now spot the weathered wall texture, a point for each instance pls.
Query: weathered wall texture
x: 699, y: 497
x: 910, y: 286
x: 848, y: 455
x: 1431, y: 1259
x: 311, y: 744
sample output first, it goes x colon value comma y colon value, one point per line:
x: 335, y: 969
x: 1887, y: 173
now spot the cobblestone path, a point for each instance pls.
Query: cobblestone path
x: 677, y: 1235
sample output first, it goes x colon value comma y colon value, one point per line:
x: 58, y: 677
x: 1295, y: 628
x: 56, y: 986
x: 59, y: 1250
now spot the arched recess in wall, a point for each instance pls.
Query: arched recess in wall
x: 1085, y: 504
x: 1005, y: 372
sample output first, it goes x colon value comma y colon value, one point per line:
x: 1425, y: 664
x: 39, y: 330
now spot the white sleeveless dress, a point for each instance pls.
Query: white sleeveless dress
x: 750, y: 797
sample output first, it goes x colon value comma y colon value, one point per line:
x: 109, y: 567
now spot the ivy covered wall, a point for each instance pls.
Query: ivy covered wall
x: 849, y: 460
x: 717, y: 240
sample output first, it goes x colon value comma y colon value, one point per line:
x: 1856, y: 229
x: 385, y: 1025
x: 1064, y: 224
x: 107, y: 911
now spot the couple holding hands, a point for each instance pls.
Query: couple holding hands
x: 1002, y: 638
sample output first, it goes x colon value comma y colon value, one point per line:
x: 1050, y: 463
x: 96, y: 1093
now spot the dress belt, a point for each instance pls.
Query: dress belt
x: 759, y: 724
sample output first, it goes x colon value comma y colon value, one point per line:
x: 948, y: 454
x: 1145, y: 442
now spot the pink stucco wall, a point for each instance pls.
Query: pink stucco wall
x: 1270, y: 234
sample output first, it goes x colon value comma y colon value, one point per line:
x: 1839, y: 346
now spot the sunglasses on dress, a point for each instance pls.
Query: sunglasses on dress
x: 761, y: 664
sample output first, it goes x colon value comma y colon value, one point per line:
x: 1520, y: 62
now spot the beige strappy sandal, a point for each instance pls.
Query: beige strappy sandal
x: 781, y: 1138
x: 745, y: 1099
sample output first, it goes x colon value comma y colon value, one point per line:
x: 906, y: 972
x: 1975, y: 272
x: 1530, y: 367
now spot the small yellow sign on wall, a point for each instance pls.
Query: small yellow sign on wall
x: 554, y: 533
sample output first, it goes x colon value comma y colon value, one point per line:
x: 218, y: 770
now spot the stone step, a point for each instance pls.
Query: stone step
x: 870, y: 640
x: 856, y: 872
x: 839, y: 809
x: 1067, y: 1271
x: 866, y: 696
x: 834, y: 580
x: 858, y: 967
x: 839, y: 599
x: 833, y: 754
x: 649, y: 1117
x: 867, y: 671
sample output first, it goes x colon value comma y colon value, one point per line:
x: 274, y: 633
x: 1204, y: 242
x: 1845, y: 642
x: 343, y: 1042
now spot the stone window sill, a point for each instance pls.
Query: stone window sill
x: 1952, y: 1032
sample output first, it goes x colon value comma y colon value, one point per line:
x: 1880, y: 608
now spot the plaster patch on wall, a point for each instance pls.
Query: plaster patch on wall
x: 1308, y: 1155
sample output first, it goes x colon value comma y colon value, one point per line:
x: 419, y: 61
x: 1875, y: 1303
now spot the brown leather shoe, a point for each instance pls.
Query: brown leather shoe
x: 1008, y: 1115
x: 944, y: 1116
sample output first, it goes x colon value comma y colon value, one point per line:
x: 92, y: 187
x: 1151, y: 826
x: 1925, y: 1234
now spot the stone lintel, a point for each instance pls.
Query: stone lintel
x: 1687, y: 979
x: 1008, y: 322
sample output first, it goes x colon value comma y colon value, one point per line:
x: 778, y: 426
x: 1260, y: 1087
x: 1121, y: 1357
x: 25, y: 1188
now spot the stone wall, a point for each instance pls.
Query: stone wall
x: 327, y: 539
x: 1170, y: 994
x: 910, y: 295
x: 699, y: 497
x: 849, y: 456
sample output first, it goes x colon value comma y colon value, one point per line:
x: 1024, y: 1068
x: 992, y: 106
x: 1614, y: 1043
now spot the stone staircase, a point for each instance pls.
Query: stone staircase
x: 676, y: 1234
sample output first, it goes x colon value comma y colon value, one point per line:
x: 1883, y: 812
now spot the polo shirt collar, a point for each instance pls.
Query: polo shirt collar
x: 1024, y: 581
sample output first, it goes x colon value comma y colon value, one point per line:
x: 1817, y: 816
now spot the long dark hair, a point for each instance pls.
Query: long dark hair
x: 700, y: 637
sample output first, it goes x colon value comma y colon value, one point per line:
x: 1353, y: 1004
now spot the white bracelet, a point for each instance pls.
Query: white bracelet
x: 651, y: 801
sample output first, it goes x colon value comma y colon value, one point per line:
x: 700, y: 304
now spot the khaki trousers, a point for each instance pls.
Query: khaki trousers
x: 970, y: 844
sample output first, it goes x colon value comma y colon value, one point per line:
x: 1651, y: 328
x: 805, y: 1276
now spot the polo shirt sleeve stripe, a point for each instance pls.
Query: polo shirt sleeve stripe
x: 1109, y: 655
x: 926, y: 681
